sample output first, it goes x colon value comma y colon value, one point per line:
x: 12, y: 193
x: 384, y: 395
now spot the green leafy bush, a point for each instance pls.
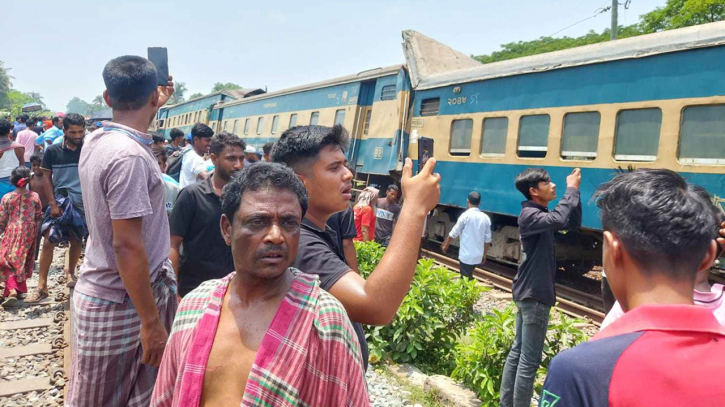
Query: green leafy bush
x: 436, y: 312
x: 480, y: 359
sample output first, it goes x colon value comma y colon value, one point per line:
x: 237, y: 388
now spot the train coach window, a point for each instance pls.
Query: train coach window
x: 366, y: 126
x: 533, y: 136
x: 314, y: 118
x: 493, y: 142
x: 246, y: 126
x: 430, y: 107
x: 580, y: 136
x: 260, y: 123
x: 638, y: 134
x: 702, y: 135
x: 340, y: 117
x: 388, y: 92
x: 461, y: 131
x: 224, y: 128
x: 293, y: 120
x: 234, y: 129
x: 213, y: 127
x: 275, y: 122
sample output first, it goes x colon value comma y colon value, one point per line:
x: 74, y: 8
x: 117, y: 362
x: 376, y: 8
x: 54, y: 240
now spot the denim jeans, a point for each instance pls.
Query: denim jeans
x: 519, y: 373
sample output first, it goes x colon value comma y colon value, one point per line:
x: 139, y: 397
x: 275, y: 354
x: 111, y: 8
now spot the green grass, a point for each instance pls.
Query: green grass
x: 417, y: 394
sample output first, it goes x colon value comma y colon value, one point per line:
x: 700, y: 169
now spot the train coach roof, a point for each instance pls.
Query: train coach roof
x: 434, y: 65
x: 363, y: 75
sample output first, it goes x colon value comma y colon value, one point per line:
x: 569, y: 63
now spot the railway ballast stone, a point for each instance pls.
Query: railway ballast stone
x: 451, y: 392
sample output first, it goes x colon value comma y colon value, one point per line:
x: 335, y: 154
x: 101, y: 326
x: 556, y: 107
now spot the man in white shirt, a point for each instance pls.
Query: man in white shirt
x: 474, y: 229
x: 193, y: 165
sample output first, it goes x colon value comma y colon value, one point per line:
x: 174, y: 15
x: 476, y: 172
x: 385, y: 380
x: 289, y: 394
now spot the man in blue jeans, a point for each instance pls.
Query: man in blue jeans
x: 533, y: 288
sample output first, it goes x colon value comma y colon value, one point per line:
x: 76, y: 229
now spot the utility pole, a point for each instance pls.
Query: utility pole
x: 613, y: 35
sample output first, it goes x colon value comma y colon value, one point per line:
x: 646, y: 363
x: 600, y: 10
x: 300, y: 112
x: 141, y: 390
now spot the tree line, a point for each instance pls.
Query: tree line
x: 675, y: 14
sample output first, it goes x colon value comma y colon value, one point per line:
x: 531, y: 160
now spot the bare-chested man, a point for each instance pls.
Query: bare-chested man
x: 266, y: 334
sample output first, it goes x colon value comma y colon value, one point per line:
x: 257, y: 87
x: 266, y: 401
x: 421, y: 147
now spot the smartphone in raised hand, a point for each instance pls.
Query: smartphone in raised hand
x: 160, y: 58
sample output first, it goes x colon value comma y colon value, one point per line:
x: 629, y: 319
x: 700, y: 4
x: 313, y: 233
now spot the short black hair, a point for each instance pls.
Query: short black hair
x: 300, y: 145
x: 392, y: 187
x: 55, y: 119
x: 201, y: 130
x: 37, y: 157
x: 259, y: 176
x: 24, y: 118
x: 267, y: 147
x: 159, y: 152
x: 176, y: 133
x: 73, y: 119
x: 474, y: 198
x: 18, y: 174
x: 130, y: 80
x: 5, y: 127
x: 225, y: 139
x: 157, y: 137
x: 530, y: 178
x: 662, y: 220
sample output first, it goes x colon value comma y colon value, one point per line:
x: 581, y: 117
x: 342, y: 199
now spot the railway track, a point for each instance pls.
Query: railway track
x: 35, y: 349
x: 570, y: 301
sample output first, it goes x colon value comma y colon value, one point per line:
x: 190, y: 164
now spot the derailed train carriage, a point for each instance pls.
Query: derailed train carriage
x: 653, y: 101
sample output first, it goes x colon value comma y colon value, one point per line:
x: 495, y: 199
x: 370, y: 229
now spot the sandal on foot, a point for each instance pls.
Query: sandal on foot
x: 37, y: 296
x: 10, y: 301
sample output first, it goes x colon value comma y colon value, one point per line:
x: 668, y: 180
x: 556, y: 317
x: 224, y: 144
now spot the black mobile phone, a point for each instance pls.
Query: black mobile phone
x: 160, y: 59
x: 425, y: 151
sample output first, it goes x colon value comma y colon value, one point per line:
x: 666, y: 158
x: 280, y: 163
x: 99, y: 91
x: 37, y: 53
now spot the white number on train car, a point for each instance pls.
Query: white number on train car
x: 378, y: 153
x: 457, y: 101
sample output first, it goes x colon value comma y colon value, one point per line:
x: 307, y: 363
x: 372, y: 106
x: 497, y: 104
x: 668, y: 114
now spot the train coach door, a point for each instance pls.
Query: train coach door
x: 361, y: 128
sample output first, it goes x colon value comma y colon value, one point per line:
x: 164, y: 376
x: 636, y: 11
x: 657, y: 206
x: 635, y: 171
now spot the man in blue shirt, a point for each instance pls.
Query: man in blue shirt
x: 49, y: 136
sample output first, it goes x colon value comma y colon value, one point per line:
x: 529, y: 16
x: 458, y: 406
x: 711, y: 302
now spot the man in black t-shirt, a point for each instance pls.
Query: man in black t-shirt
x: 317, y: 155
x: 386, y: 215
x: 194, y: 221
x: 343, y: 224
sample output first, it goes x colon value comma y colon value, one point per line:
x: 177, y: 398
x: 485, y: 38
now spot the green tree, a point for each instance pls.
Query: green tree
x: 225, y: 86
x: 78, y: 105
x: 195, y: 95
x: 178, y: 96
x: 97, y: 104
x: 683, y: 13
x: 35, y: 96
x: 5, y: 84
x: 675, y: 14
x: 15, y: 101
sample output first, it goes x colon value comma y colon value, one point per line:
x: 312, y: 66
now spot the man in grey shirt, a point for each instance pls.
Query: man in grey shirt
x: 125, y: 299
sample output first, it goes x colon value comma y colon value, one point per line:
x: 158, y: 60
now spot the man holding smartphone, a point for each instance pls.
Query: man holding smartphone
x: 126, y: 279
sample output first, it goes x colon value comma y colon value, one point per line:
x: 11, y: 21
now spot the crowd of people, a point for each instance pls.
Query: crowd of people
x: 215, y: 274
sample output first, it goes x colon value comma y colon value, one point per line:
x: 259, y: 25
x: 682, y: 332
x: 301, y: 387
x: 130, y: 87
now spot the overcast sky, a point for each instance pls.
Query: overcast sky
x: 59, y: 48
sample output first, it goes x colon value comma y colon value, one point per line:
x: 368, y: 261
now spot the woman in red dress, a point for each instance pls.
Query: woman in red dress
x: 20, y: 216
x: 364, y: 211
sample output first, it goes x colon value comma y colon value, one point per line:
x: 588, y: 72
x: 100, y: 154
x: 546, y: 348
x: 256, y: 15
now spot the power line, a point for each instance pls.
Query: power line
x: 596, y: 13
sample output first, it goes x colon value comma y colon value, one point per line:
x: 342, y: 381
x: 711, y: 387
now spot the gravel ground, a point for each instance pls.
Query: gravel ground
x: 384, y: 393
x: 35, y: 365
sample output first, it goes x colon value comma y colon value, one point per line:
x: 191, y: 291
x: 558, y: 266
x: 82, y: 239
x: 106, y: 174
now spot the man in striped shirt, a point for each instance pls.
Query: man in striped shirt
x: 266, y: 334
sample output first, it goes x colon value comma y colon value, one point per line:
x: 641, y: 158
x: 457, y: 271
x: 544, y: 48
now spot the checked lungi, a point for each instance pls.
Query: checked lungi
x: 106, y: 368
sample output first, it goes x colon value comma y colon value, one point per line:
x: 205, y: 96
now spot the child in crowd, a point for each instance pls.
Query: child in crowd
x: 37, y: 177
x: 172, y: 187
x: 365, y: 214
x: 20, y: 216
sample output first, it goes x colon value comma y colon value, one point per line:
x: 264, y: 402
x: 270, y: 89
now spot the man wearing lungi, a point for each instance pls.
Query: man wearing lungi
x: 125, y: 298
x: 266, y: 334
